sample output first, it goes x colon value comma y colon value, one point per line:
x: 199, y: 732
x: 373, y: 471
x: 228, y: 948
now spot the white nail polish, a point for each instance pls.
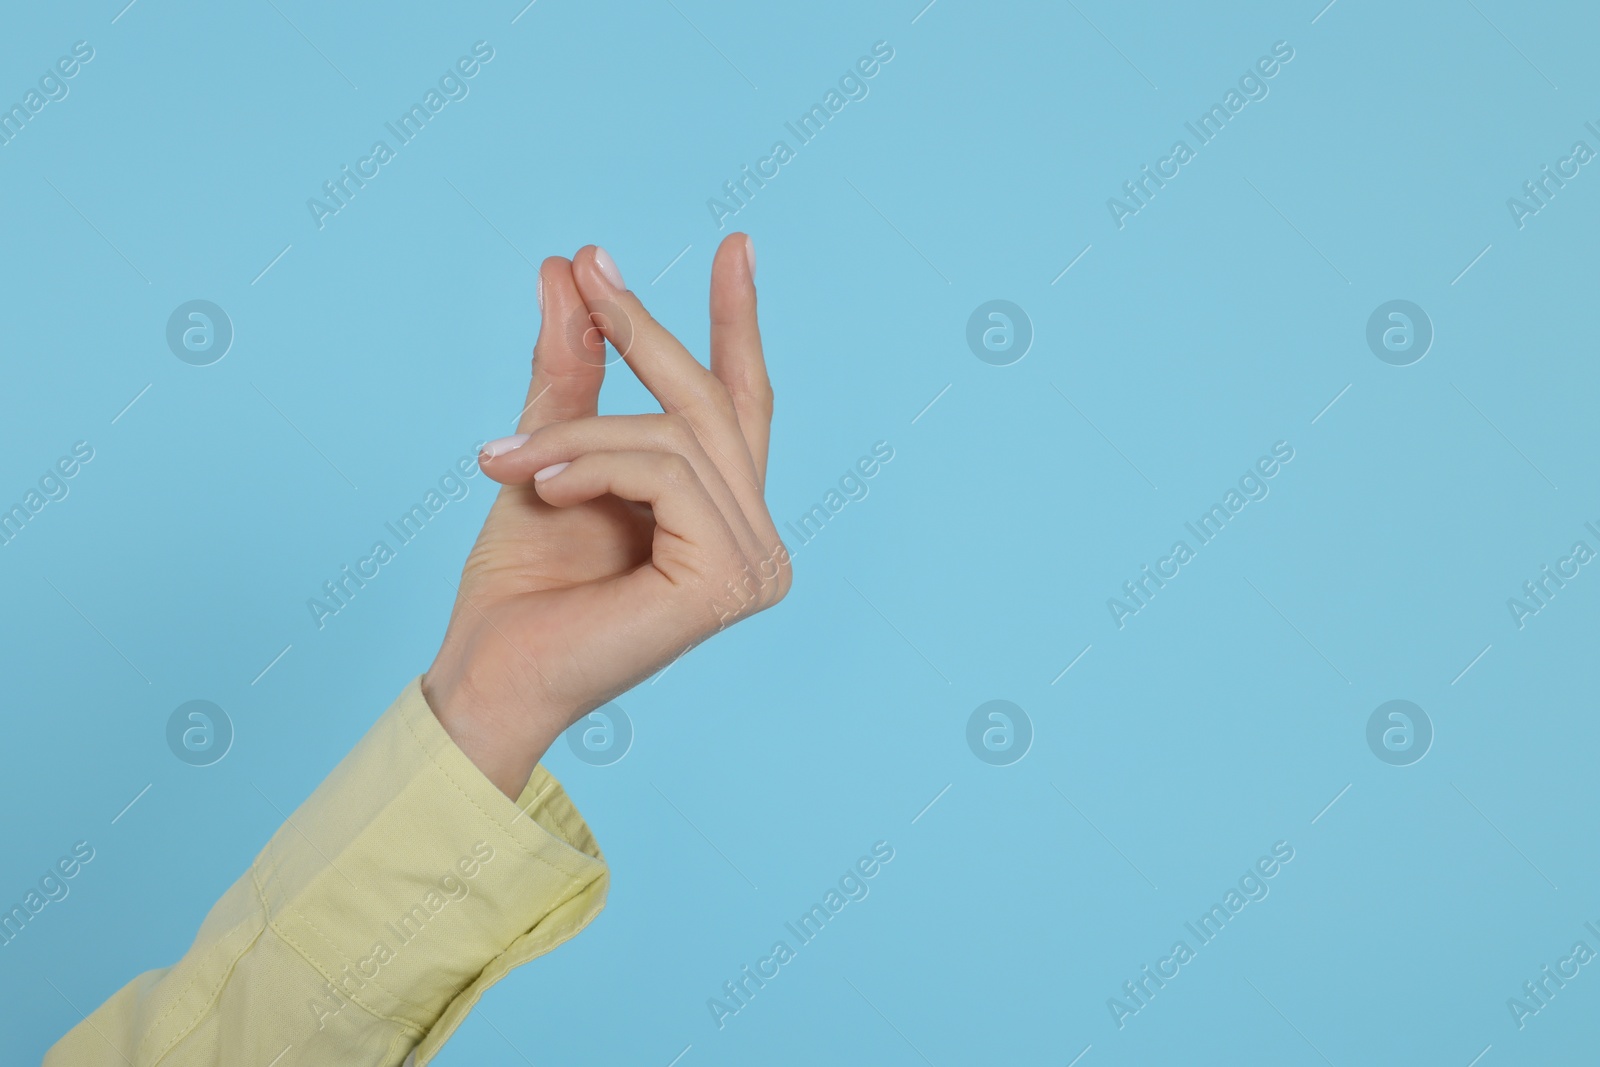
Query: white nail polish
x: 538, y: 290
x: 750, y: 255
x: 608, y: 267
x: 498, y: 448
x: 551, y: 471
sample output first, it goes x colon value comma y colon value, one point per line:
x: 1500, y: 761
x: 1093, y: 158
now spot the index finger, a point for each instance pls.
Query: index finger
x: 671, y: 373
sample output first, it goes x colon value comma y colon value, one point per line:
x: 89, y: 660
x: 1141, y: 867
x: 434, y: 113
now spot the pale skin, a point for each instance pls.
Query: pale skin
x: 617, y: 542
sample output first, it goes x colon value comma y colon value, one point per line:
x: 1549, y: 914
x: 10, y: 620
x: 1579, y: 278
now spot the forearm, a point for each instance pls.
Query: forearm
x: 404, y: 886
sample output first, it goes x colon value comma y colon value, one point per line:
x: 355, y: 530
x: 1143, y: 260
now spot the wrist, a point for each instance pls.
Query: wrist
x: 496, y: 726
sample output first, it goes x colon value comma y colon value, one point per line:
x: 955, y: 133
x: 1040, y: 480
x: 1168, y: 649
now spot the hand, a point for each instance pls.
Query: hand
x: 617, y: 543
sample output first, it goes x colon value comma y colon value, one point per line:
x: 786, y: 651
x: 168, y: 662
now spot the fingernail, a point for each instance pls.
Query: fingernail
x: 608, y: 266
x: 550, y: 471
x: 538, y: 290
x: 750, y: 255
x: 495, y: 449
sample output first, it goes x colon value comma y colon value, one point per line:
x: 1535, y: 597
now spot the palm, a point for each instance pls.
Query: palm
x: 528, y: 547
x: 542, y: 588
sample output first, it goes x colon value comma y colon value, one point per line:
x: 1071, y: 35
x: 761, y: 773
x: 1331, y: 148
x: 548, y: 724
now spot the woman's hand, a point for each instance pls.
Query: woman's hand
x: 617, y: 543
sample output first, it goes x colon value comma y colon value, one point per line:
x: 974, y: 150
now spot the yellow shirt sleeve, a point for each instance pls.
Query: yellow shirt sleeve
x: 371, y: 923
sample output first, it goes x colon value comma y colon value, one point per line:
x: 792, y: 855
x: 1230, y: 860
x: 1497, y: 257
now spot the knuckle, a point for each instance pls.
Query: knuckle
x: 721, y: 401
x: 675, y: 470
x: 762, y: 397
x: 784, y: 582
x: 753, y: 390
x: 710, y: 395
x: 677, y: 431
x: 736, y: 582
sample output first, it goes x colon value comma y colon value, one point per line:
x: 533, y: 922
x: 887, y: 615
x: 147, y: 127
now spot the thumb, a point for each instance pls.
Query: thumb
x: 569, y: 359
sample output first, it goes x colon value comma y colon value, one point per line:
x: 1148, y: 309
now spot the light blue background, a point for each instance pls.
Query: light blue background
x: 1222, y: 319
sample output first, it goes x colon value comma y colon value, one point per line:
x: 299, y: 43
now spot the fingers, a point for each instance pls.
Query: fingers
x: 570, y: 356
x: 728, y: 409
x: 670, y: 372
x: 667, y: 369
x: 736, y: 357
x: 692, y: 539
x: 565, y: 441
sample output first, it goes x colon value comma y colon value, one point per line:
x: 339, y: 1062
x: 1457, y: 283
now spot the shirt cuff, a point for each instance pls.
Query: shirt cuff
x: 411, y: 883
